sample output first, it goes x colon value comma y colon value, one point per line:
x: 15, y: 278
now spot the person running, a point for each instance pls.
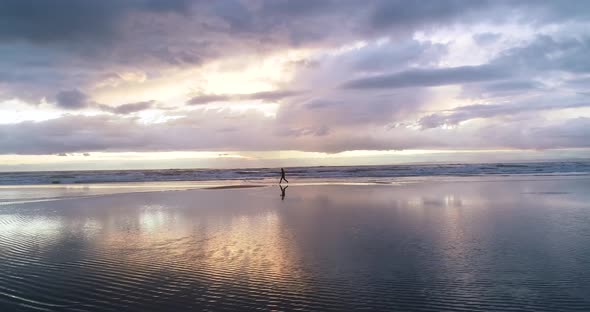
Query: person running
x: 283, y: 176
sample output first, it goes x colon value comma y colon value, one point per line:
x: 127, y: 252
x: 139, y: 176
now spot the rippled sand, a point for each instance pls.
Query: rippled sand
x: 463, y: 245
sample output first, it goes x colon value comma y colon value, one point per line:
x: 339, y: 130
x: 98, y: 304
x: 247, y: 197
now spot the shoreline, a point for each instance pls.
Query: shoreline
x: 234, y: 183
x: 265, y: 176
x: 25, y: 194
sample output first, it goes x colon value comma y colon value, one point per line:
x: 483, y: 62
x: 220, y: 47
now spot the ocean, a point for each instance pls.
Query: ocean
x: 357, y: 173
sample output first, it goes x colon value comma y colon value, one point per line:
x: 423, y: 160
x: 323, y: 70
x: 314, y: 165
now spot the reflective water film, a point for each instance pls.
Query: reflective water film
x: 518, y: 245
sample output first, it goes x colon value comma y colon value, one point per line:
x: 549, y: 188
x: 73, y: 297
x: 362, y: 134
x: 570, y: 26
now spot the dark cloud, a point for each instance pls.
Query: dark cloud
x: 83, y: 134
x: 352, y: 111
x: 330, y: 70
x: 271, y: 96
x: 71, y: 100
x: 566, y: 134
x: 579, y: 85
x: 303, y: 132
x: 536, y: 134
x: 398, y: 13
x: 129, y: 108
x: 74, y: 20
x: 208, y: 98
x: 547, y: 53
x: 379, y: 58
x: 503, y: 88
x: 513, y: 85
x: 429, y: 77
x: 66, y: 44
x: 486, y: 38
x: 77, y: 100
x: 464, y: 113
x: 543, y: 12
x: 578, y: 82
x: 543, y: 54
x: 76, y: 134
x: 298, y: 21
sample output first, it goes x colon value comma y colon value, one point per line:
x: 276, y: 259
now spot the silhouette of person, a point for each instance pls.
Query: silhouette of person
x: 283, y: 189
x: 283, y: 176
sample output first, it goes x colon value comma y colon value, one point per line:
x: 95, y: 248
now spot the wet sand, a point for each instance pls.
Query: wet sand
x: 460, y: 245
x: 225, y: 187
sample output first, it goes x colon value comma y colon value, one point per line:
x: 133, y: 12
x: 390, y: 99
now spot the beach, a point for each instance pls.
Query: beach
x: 507, y: 243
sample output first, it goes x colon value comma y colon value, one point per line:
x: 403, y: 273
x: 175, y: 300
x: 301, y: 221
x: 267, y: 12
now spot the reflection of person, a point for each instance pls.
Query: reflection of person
x: 283, y: 191
x: 283, y: 176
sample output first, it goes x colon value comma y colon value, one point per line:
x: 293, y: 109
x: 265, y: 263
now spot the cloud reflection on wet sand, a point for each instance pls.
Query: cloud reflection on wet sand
x: 443, y: 246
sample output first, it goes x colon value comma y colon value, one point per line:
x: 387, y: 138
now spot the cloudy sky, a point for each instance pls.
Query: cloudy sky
x: 183, y: 83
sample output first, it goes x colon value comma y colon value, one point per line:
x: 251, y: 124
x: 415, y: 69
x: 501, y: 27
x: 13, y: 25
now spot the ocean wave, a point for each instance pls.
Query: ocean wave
x: 320, y: 172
